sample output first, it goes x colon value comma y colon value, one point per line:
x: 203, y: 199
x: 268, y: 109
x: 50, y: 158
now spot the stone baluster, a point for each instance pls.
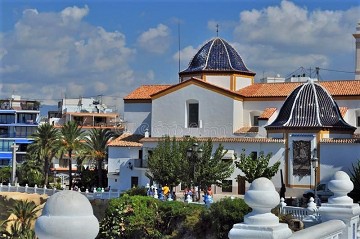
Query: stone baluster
x: 67, y: 214
x: 261, y: 223
x: 1, y: 187
x: 340, y: 206
x: 35, y: 188
x: 9, y: 187
x: 312, y: 218
x: 26, y: 188
x: 282, y: 205
x: 44, y: 189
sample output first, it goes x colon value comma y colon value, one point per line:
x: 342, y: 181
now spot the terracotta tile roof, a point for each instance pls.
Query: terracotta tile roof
x: 267, y: 113
x: 144, y: 92
x: 245, y: 130
x: 268, y: 89
x: 127, y: 140
x: 223, y: 139
x: 343, y: 111
x: 335, y: 88
x: 341, y: 141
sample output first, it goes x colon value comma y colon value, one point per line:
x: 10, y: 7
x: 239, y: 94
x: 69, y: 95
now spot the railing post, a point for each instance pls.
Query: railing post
x: 261, y: 223
x: 9, y: 187
x: 340, y: 206
x: 35, y: 188
x: 26, y: 188
x: 54, y: 190
x: 17, y: 187
x: 313, y: 214
x: 44, y: 190
x: 282, y: 205
x: 1, y: 187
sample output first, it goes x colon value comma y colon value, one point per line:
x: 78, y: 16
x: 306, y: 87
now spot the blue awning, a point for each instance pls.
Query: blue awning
x: 23, y: 141
x: 5, y: 155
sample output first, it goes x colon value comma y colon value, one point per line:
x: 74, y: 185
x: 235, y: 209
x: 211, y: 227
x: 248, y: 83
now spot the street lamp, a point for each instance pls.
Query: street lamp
x: 315, y: 164
x: 13, y: 171
x: 194, y: 153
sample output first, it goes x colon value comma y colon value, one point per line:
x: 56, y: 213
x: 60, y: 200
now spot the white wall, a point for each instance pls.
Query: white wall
x: 222, y: 81
x: 137, y: 117
x: 242, y: 82
x: 335, y: 157
x: 250, y: 106
x: 215, y: 113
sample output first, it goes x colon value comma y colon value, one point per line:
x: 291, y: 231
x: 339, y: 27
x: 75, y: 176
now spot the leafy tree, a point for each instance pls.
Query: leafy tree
x: 165, y: 164
x: 169, y: 164
x: 30, y: 172
x: 45, y: 146
x: 256, y: 168
x: 355, y: 178
x: 72, y: 136
x: 211, y: 168
x: 97, y: 144
x: 5, y: 174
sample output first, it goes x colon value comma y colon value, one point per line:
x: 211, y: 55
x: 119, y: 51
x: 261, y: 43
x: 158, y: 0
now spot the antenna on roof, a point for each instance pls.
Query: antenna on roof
x: 179, y: 48
x: 317, y: 73
x: 217, y: 30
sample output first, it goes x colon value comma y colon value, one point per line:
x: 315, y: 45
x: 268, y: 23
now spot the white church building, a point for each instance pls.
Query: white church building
x: 217, y: 97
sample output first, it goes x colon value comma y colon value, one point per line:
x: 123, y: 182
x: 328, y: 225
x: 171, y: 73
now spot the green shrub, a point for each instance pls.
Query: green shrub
x: 145, y: 217
x: 140, y: 191
x: 222, y: 215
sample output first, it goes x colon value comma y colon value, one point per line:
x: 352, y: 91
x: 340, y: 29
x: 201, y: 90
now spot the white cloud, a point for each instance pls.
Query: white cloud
x: 58, y: 53
x: 155, y: 40
x: 284, y: 37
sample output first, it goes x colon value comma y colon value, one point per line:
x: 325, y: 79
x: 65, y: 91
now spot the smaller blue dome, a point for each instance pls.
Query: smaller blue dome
x: 217, y: 55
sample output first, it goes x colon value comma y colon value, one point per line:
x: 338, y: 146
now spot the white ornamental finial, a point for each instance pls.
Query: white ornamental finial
x: 341, y: 185
x: 261, y: 197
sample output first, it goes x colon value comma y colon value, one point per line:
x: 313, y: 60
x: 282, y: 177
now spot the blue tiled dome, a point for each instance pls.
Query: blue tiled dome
x: 310, y: 106
x: 217, y: 55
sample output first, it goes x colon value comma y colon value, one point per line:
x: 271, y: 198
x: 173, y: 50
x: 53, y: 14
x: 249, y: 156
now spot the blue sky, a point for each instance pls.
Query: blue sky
x: 49, y: 49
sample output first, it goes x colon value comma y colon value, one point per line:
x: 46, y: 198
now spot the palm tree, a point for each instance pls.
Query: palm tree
x: 72, y: 136
x: 97, y: 145
x: 45, y: 146
x: 25, y: 212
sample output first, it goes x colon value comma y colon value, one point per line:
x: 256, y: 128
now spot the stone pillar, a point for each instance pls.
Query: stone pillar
x: 340, y: 206
x: 312, y: 218
x: 261, y: 223
x: 67, y: 214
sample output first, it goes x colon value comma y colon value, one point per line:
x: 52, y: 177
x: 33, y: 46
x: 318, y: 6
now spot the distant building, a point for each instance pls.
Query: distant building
x: 89, y: 113
x: 19, y: 119
x: 297, y: 120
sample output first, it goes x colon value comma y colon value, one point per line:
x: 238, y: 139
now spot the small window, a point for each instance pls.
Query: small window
x: 256, y: 120
x: 134, y: 182
x: 358, y: 121
x: 227, y: 186
x: 193, y: 115
x: 140, y: 154
x: 115, y: 180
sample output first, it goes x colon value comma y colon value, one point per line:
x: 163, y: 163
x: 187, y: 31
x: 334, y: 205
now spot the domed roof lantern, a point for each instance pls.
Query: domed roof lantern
x: 217, y: 55
x: 310, y: 106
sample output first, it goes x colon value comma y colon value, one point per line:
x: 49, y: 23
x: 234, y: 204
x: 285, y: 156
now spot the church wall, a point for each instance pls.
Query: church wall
x: 169, y: 113
x: 242, y: 82
x: 137, y: 117
x: 238, y: 115
x: 353, y: 110
x: 259, y: 106
x: 222, y: 81
x: 335, y: 157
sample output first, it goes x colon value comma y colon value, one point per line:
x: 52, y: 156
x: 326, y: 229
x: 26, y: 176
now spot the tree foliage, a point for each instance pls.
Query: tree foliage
x: 5, y: 174
x: 97, y: 144
x: 71, y: 136
x: 165, y: 163
x: 256, y: 168
x: 45, y: 146
x: 355, y: 178
x: 169, y: 163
